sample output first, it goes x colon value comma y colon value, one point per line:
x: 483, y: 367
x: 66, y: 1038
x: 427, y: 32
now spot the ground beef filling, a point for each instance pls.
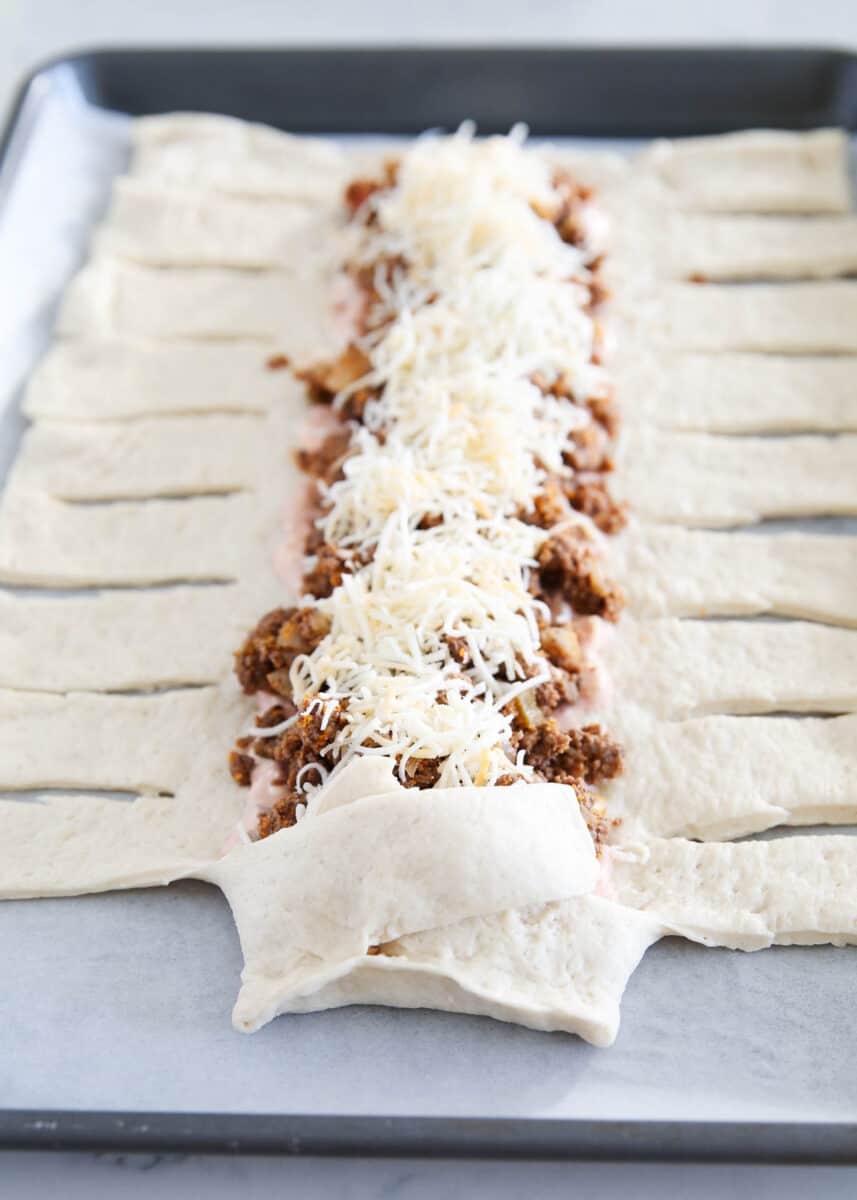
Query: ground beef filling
x: 263, y: 662
x: 568, y: 569
x: 592, y: 498
x: 569, y: 566
x: 325, y: 461
x: 303, y: 755
x: 330, y: 564
x: 587, y: 754
x: 326, y: 379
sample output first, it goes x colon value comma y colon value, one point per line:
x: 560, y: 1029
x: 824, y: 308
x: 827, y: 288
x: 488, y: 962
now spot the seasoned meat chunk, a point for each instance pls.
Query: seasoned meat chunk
x: 549, y: 506
x: 325, y: 460
x: 585, y: 755
x: 588, y: 449
x: 562, y: 646
x: 422, y: 772
x: 569, y: 565
x: 274, y: 644
x: 331, y: 564
x: 592, y: 498
x: 325, y: 379
x: 241, y: 768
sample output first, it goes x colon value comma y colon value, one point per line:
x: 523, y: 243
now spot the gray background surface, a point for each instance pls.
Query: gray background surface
x: 33, y: 29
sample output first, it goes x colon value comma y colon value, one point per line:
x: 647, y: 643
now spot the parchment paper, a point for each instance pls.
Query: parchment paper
x: 122, y: 1001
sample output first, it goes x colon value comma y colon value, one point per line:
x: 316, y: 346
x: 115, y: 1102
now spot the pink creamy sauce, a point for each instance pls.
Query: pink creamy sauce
x: 596, y: 693
x: 604, y: 887
x: 261, y: 796
x: 347, y: 306
x: 596, y: 690
x: 288, y: 558
x: 263, y: 793
x: 299, y: 511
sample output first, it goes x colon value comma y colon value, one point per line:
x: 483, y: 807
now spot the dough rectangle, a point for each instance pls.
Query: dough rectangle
x: 758, y: 170
x: 790, y: 318
x: 740, y: 393
x: 115, y: 379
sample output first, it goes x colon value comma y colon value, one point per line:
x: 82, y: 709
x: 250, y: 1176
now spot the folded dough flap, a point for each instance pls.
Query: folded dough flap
x: 745, y: 895
x: 669, y: 571
x: 312, y: 899
x: 557, y: 966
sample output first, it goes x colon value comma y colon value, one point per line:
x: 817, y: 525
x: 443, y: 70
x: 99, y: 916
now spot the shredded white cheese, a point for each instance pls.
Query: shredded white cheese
x: 483, y: 294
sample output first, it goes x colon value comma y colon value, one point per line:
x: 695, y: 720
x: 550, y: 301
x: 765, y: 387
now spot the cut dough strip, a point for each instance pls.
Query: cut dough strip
x: 740, y: 393
x: 70, y: 845
x: 748, y: 895
x: 735, y: 248
x: 172, y: 456
x: 687, y: 668
x: 47, y: 543
x: 697, y: 479
x: 725, y: 777
x: 123, y: 743
x: 666, y: 571
x: 126, y: 640
x: 223, y: 154
x: 756, y: 171
x: 114, y: 379
x: 790, y: 318
x: 74, y: 845
x: 166, y: 227
x: 109, y: 297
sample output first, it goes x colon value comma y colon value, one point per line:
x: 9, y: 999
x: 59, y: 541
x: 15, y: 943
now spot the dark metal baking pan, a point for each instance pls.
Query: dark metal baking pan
x: 623, y: 93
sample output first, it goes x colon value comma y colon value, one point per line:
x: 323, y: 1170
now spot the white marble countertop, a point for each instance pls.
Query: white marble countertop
x: 33, y: 30
x: 107, y: 1177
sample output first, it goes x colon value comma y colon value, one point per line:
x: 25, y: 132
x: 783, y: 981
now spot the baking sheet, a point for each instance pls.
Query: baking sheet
x: 121, y: 1002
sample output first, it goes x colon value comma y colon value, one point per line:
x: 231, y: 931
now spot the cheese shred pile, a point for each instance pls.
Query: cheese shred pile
x: 475, y: 292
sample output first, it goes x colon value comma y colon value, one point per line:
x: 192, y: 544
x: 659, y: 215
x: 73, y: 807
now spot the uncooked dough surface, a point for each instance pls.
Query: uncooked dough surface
x: 668, y: 571
x: 110, y: 297
x: 739, y: 393
x: 756, y: 171
x: 218, y: 254
x: 747, y: 895
x: 722, y: 481
x: 712, y: 778
x: 167, y: 227
x: 789, y: 318
x: 692, y: 668
x: 116, y: 378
